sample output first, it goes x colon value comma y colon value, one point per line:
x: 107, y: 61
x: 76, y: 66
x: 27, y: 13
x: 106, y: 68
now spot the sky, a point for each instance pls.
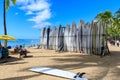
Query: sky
x: 28, y: 17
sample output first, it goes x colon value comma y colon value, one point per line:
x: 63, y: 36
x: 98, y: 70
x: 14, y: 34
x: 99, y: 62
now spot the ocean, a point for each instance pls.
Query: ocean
x: 24, y: 42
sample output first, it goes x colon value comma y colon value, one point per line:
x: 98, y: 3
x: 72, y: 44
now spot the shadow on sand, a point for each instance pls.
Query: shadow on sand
x: 10, y: 59
x: 107, y: 64
x: 13, y: 59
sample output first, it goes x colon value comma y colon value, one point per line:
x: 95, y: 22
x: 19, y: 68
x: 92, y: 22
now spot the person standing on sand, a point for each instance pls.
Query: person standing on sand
x: 48, y: 33
x: 117, y: 43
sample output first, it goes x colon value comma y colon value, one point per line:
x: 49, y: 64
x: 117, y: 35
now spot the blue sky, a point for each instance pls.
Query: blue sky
x: 26, y: 18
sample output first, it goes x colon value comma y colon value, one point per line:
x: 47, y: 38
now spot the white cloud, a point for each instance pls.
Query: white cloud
x: 42, y: 24
x: 41, y: 16
x: 29, y: 13
x: 39, y: 8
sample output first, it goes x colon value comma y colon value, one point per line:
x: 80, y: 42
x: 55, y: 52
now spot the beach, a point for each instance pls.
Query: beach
x: 79, y: 35
x: 95, y: 67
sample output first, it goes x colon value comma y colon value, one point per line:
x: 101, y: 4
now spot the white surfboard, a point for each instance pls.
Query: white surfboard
x: 41, y: 38
x: 57, y: 72
x: 65, y: 38
x: 56, y: 37
x: 74, y: 36
x: 68, y: 41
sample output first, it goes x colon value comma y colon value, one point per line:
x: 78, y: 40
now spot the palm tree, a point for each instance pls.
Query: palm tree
x: 105, y: 17
x: 116, y: 23
x: 117, y: 14
x: 6, y: 6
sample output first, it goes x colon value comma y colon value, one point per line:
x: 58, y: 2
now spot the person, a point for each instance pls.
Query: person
x: 48, y: 33
x: 102, y: 51
x: 117, y: 43
x: 0, y: 51
x: 5, y: 53
x: 38, y: 46
x: 22, y: 51
x: 16, y: 49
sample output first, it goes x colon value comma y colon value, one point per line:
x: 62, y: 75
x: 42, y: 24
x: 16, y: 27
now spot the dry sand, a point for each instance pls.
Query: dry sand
x: 96, y: 68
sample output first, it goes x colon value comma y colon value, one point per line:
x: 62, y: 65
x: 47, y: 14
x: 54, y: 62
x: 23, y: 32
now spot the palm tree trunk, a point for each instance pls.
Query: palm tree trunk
x: 4, y: 19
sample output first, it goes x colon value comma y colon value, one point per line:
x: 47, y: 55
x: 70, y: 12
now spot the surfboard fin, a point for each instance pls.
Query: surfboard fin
x: 79, y: 74
x: 76, y: 74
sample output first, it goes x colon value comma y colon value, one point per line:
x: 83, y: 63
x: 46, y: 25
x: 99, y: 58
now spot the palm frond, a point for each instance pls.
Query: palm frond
x: 7, y: 3
x: 14, y: 2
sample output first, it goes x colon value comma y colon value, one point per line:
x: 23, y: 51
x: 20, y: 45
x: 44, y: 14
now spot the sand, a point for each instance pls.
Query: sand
x: 96, y: 68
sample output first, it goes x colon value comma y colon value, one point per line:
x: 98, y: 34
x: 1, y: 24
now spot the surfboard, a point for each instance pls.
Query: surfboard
x: 43, y: 42
x: 50, y: 41
x: 81, y: 35
x: 88, y: 38
x: 60, y: 39
x: 95, y: 37
x: 41, y: 38
x: 78, y: 39
x: 57, y: 72
x: 68, y: 43
x: 74, y: 36
x: 91, y: 39
x: 99, y: 41
x: 83, y: 38
x: 45, y: 39
x: 101, y: 36
x: 65, y: 38
x: 56, y: 37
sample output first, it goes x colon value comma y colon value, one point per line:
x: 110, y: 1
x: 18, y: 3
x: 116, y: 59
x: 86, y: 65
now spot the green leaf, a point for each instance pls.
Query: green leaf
x: 14, y: 2
x: 7, y: 3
